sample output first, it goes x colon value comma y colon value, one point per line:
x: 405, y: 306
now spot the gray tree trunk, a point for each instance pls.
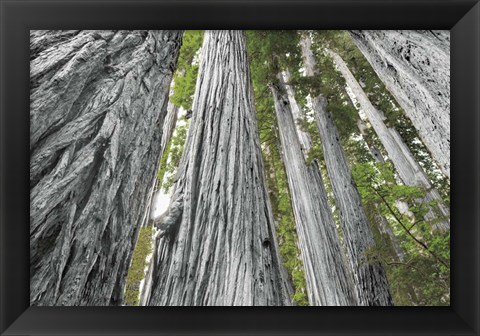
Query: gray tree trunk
x: 98, y: 100
x: 408, y: 169
x: 329, y: 282
x: 415, y: 67
x: 382, y: 223
x: 370, y: 277
x: 217, y: 245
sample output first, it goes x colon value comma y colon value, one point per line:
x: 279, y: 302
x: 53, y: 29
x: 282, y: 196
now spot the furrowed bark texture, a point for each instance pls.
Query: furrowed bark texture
x: 369, y: 275
x: 216, y: 245
x: 98, y: 100
x: 328, y: 281
x: 408, y: 169
x: 415, y: 67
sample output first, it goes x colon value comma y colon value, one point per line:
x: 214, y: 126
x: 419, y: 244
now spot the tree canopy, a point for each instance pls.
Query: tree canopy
x: 415, y: 255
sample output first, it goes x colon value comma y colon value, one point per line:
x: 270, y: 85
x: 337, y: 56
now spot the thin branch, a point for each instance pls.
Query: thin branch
x: 408, y: 231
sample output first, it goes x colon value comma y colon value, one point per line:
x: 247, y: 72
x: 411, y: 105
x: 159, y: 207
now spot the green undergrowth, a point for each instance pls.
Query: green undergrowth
x: 137, y: 268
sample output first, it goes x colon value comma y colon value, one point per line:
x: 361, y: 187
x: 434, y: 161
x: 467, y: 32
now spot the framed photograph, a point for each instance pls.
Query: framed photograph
x: 240, y: 167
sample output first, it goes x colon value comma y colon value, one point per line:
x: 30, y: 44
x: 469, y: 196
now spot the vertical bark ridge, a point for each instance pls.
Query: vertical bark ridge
x: 217, y: 245
x: 414, y: 65
x: 369, y: 275
x: 328, y: 279
x: 98, y: 100
x: 409, y: 171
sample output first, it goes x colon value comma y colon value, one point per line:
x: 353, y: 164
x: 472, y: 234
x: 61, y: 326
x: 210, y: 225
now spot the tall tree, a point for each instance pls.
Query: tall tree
x: 329, y: 281
x: 409, y: 171
x: 370, y: 277
x: 261, y: 45
x: 217, y: 245
x: 415, y: 67
x: 181, y: 98
x: 142, y: 247
x: 98, y: 100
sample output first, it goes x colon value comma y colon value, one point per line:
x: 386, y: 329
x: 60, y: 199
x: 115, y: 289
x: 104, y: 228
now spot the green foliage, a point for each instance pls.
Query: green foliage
x: 267, y: 51
x: 422, y: 276
x: 183, y: 90
x: 172, y: 156
x: 163, y: 165
x: 342, y: 43
x: 270, y: 51
x: 286, y: 231
x: 136, y: 271
x: 287, y: 235
x: 187, y: 69
x: 331, y: 85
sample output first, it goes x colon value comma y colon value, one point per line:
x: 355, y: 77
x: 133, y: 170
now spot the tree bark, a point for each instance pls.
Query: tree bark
x: 329, y: 281
x: 415, y: 67
x: 370, y: 277
x: 407, y: 168
x: 217, y: 245
x: 97, y: 104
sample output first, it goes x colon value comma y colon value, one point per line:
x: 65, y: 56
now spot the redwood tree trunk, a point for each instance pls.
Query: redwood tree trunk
x: 408, y: 169
x: 329, y: 281
x: 98, y: 101
x: 370, y: 277
x: 415, y: 67
x: 216, y: 245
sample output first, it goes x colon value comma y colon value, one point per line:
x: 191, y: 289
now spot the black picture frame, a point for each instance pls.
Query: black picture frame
x: 461, y: 17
